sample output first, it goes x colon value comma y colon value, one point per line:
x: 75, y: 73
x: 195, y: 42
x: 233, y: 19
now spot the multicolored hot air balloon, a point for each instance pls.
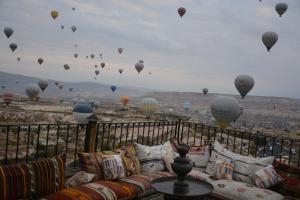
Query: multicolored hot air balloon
x: 205, y: 91
x: 269, y: 39
x: 8, y: 31
x: 124, y: 100
x: 82, y: 111
x: 54, y: 14
x: 43, y: 84
x: 225, y: 109
x: 244, y: 83
x: 149, y: 106
x: 181, y: 11
x: 32, y: 91
x: 13, y: 46
x: 113, y: 88
x: 8, y: 97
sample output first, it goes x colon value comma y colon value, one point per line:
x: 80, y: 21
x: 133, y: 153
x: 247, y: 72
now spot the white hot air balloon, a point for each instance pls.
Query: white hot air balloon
x: 225, y: 109
x: 32, y: 91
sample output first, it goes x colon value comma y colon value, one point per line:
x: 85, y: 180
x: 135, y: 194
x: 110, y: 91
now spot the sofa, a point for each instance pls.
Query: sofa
x: 126, y: 173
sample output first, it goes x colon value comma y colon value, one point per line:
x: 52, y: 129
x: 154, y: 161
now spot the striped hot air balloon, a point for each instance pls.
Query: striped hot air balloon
x: 149, y: 106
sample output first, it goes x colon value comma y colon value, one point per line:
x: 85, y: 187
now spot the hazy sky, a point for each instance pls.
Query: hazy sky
x: 214, y: 42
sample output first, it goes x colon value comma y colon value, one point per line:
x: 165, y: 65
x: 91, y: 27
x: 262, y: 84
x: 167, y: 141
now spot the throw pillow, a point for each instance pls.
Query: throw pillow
x: 14, y: 182
x: 47, y: 176
x: 150, y: 157
x: 91, y: 163
x: 244, y: 166
x: 168, y: 160
x: 223, y: 169
x: 113, y: 167
x: 266, y: 177
x: 79, y: 179
x: 199, y: 156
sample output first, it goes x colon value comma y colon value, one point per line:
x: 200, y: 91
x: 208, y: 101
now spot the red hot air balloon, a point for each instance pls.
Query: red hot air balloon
x: 8, y: 97
x: 181, y: 11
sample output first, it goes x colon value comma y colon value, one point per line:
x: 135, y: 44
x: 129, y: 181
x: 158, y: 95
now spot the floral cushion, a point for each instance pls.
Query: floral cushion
x: 113, y: 167
x: 244, y: 166
x: 237, y: 190
x: 91, y: 163
x: 266, y: 177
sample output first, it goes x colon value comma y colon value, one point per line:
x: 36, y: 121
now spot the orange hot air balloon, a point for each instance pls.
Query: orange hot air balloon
x: 8, y: 97
x: 54, y: 14
x: 124, y: 100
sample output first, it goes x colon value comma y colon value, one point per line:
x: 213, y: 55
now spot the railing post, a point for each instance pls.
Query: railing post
x: 177, y: 134
x: 91, y: 134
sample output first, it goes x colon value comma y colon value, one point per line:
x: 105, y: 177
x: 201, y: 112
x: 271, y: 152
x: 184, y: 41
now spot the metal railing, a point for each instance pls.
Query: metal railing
x: 24, y: 143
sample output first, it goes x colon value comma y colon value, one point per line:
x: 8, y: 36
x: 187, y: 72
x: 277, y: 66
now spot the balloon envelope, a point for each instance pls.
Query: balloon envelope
x: 102, y: 65
x: 124, y: 100
x: 75, y: 55
x: 269, y: 39
x: 43, y: 84
x: 120, y: 50
x: 225, y: 109
x: 81, y: 112
x: 121, y: 71
x: 8, y: 97
x: 97, y: 72
x: 54, y: 14
x: 32, y: 91
x: 281, y: 8
x: 40, y: 60
x: 113, y: 88
x: 149, y: 106
x: 181, y: 11
x: 244, y: 83
x: 66, y: 66
x: 73, y: 28
x: 139, y: 67
x: 13, y: 46
x: 205, y: 91
x: 186, y: 105
x: 8, y: 31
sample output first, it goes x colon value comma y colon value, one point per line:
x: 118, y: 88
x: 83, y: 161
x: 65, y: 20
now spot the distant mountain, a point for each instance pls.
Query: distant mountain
x: 84, y: 88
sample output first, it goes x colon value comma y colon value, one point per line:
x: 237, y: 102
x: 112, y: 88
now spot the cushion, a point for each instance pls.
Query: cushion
x: 200, y: 175
x: 47, y: 176
x: 130, y: 160
x: 244, y: 166
x: 237, y: 190
x: 113, y: 167
x: 168, y: 160
x: 79, y: 179
x: 91, y: 163
x: 199, y: 155
x: 150, y: 157
x: 266, y: 177
x: 223, y: 169
x: 14, y: 182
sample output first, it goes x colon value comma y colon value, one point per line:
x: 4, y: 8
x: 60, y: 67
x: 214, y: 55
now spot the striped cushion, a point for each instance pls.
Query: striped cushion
x: 266, y: 177
x: 14, y: 182
x: 47, y: 176
x: 224, y: 169
x: 113, y: 167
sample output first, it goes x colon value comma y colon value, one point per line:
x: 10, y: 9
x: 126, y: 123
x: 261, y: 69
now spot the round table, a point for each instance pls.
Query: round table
x: 198, y: 189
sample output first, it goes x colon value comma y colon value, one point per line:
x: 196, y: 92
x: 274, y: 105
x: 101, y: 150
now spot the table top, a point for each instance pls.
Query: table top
x: 165, y: 185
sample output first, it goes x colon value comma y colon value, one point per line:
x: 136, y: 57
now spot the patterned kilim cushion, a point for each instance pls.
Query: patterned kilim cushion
x: 91, y: 163
x: 223, y: 169
x: 47, y: 176
x: 14, y: 182
x: 113, y: 167
x: 266, y: 177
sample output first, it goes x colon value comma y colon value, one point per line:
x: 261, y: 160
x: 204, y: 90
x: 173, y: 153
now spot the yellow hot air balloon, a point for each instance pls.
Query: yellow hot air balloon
x: 54, y: 14
x: 124, y: 100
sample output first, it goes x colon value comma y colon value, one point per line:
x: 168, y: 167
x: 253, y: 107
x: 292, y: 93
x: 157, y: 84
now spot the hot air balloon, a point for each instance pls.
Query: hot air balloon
x: 18, y: 58
x: 205, y: 91
x: 13, y: 46
x: 244, y: 83
x: 92, y: 56
x: 124, y: 100
x: 3, y: 87
x: 101, y: 55
x: 70, y: 89
x: 75, y: 45
x: 121, y: 71
x: 181, y: 11
x: 8, y: 97
x: 102, y: 65
x: 61, y: 86
x: 32, y: 91
x: 87, y: 57
x: 81, y: 112
x: 97, y: 72
x: 186, y: 106
x: 150, y: 73
x: 17, y: 81
x: 269, y: 39
x: 225, y: 109
x: 73, y: 28
x: 96, y: 66
x: 62, y: 26
x: 149, y: 106
x: 40, y: 60
x: 281, y: 8
x: 239, y: 113
x: 139, y: 67
x: 56, y: 83
x: 75, y: 55
x: 120, y: 50
x: 66, y: 66
x: 73, y: 9
x: 113, y: 88
x: 54, y: 14
x: 8, y: 31
x: 43, y: 84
